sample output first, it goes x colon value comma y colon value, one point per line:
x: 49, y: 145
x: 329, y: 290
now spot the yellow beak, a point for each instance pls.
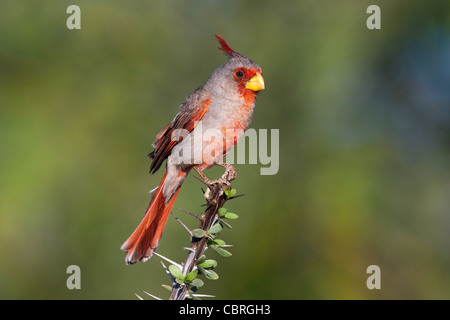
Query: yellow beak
x: 256, y: 83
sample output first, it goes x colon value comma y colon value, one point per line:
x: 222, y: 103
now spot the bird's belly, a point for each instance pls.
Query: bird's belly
x: 206, y: 145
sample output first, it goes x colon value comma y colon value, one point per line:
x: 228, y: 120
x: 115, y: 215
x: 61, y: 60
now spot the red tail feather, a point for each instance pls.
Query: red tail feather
x: 141, y: 244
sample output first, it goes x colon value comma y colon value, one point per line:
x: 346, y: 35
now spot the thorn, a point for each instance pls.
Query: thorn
x: 234, y: 197
x: 203, y: 181
x: 168, y: 272
x: 203, y: 295
x: 165, y: 286
x: 168, y: 260
x: 153, y: 190
x: 192, y: 214
x: 140, y: 298
x: 184, y: 226
x: 154, y: 297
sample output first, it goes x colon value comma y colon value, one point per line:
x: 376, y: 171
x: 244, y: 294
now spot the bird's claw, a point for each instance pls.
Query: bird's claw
x: 229, y: 175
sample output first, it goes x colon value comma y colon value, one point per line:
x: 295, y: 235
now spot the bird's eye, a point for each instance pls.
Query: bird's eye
x: 239, y: 74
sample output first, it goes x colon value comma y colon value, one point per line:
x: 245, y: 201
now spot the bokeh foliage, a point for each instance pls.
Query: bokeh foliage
x: 364, y: 119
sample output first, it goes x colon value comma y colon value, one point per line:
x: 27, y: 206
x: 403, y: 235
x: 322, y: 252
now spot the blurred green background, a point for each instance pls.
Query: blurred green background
x: 364, y: 120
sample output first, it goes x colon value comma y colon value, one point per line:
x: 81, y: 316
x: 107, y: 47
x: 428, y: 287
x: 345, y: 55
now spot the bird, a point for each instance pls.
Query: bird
x: 197, y: 138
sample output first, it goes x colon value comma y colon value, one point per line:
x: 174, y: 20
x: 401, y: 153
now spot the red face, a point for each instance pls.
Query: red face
x: 242, y: 75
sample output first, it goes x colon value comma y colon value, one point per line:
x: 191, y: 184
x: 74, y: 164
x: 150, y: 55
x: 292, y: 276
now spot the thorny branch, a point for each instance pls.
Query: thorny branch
x: 216, y: 198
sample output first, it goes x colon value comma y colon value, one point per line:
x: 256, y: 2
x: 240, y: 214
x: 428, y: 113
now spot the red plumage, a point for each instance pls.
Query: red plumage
x: 224, y: 45
x: 145, y: 238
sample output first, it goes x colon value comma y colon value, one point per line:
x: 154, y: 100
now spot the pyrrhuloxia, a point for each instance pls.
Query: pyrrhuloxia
x: 224, y: 103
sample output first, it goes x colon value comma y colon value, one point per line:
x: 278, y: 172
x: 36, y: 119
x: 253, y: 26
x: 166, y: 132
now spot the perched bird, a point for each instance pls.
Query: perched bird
x: 222, y: 105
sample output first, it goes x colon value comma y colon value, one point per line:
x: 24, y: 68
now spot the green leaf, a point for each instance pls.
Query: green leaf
x: 176, y: 272
x: 208, y: 264
x: 201, y: 259
x: 209, y: 274
x: 222, y: 212
x: 231, y: 215
x: 197, y: 283
x: 193, y: 289
x: 215, y: 228
x: 229, y: 193
x: 198, y: 233
x: 191, y: 275
x: 217, y: 242
x: 224, y: 253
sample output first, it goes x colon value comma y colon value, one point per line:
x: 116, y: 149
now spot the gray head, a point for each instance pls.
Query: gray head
x: 238, y: 72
